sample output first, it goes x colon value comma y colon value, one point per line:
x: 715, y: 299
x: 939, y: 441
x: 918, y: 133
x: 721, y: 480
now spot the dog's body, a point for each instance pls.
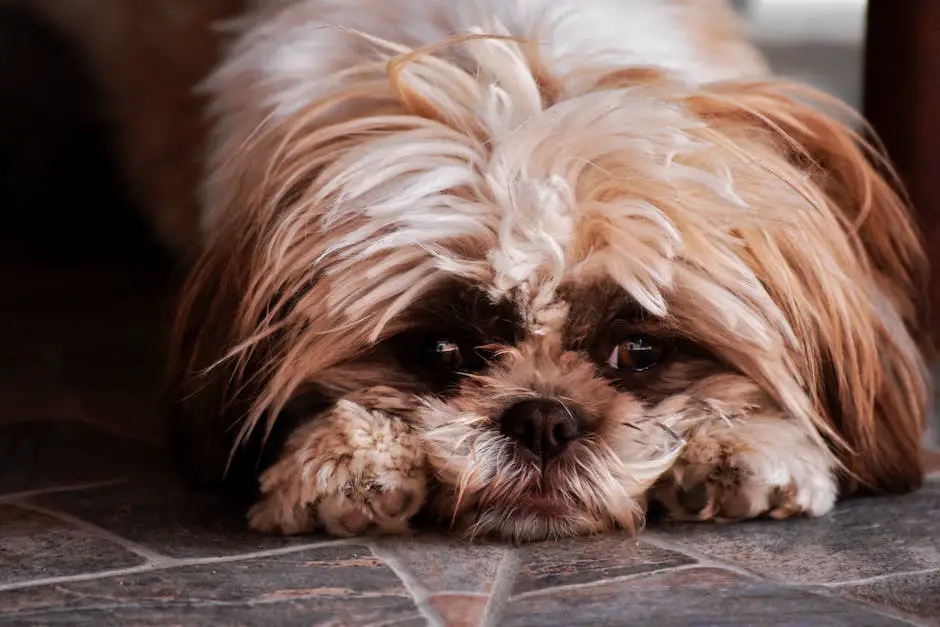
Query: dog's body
x: 521, y: 265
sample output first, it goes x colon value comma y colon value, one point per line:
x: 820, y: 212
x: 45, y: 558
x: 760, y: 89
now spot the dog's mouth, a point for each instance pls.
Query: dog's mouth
x: 541, y: 506
x: 531, y: 517
x: 547, y: 492
x: 585, y: 489
x: 490, y: 485
x: 546, y: 505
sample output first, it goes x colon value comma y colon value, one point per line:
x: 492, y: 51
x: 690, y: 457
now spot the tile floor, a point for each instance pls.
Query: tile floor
x: 95, y: 529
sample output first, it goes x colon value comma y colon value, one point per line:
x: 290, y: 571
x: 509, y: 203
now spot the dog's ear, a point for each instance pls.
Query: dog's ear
x: 226, y: 344
x: 870, y: 323
x: 205, y: 402
x: 243, y: 354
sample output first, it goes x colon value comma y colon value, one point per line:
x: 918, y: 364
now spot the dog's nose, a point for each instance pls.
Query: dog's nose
x: 543, y: 426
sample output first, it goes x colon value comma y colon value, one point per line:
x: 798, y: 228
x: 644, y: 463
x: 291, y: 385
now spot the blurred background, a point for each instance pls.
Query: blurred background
x: 58, y: 175
x: 817, y: 41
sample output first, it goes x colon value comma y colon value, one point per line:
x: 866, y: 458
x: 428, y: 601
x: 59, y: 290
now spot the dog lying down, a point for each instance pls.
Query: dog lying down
x: 524, y: 267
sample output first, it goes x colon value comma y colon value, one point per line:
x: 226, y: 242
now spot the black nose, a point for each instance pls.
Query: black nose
x: 543, y: 426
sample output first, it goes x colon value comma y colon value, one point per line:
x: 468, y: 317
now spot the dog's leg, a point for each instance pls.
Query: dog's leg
x: 357, y: 468
x: 744, y: 468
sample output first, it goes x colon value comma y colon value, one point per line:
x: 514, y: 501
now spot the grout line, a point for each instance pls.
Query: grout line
x: 154, y: 558
x: 606, y: 580
x: 16, y: 496
x: 414, y: 587
x: 823, y: 589
x: 459, y: 593
x: 706, y: 560
x: 284, y: 550
x: 895, y: 614
x: 171, y: 563
x: 877, y: 578
x: 176, y: 603
x: 505, y: 577
x: 658, y: 540
x: 102, y: 574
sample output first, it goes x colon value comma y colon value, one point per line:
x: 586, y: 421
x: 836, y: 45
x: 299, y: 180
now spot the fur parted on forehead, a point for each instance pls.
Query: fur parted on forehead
x: 736, y: 213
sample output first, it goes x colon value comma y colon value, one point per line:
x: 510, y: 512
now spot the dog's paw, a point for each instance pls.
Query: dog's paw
x: 355, y: 470
x: 760, y: 467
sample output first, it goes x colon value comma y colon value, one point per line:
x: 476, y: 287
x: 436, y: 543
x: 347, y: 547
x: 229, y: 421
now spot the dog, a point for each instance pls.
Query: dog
x: 525, y: 268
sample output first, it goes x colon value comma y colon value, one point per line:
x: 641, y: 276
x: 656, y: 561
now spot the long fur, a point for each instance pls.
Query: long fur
x: 740, y: 212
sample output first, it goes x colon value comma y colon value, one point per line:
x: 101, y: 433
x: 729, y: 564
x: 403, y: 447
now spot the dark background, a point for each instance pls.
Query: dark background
x: 60, y: 196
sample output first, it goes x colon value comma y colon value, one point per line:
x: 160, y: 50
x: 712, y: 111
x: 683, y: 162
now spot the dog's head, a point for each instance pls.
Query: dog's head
x: 568, y: 272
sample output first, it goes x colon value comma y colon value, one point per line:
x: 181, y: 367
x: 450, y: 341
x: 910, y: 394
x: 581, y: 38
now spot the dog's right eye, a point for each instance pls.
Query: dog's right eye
x: 445, y: 354
x: 439, y: 355
x: 638, y: 353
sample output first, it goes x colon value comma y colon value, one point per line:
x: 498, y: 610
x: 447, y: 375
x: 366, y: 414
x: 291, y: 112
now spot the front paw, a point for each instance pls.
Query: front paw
x: 354, y: 470
x: 748, y: 469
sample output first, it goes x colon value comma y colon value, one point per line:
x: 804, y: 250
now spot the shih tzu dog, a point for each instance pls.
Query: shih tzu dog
x: 525, y: 267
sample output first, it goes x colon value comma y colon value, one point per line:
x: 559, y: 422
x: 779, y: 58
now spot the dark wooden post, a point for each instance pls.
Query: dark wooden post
x: 902, y: 101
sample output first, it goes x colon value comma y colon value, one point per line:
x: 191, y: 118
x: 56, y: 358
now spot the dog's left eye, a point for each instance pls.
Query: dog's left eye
x: 445, y: 354
x: 637, y: 353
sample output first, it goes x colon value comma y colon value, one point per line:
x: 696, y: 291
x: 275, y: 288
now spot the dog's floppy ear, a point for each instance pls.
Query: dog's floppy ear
x: 202, y: 386
x: 223, y: 349
x: 869, y: 328
x: 243, y: 352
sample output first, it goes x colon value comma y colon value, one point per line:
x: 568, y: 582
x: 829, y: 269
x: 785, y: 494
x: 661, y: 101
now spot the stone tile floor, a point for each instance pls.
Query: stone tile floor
x: 95, y: 529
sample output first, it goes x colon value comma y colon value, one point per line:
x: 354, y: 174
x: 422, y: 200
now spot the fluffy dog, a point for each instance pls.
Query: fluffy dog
x: 526, y: 267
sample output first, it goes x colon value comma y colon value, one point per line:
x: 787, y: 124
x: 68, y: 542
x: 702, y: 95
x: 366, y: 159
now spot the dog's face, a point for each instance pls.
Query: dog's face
x: 558, y: 430
x: 567, y: 273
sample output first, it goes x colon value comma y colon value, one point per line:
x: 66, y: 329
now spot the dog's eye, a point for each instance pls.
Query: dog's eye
x: 445, y: 354
x: 637, y: 354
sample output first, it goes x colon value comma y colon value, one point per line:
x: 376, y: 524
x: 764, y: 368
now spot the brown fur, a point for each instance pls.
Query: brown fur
x: 741, y: 220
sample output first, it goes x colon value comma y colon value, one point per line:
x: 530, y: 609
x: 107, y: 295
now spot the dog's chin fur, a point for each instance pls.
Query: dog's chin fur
x: 519, y: 191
